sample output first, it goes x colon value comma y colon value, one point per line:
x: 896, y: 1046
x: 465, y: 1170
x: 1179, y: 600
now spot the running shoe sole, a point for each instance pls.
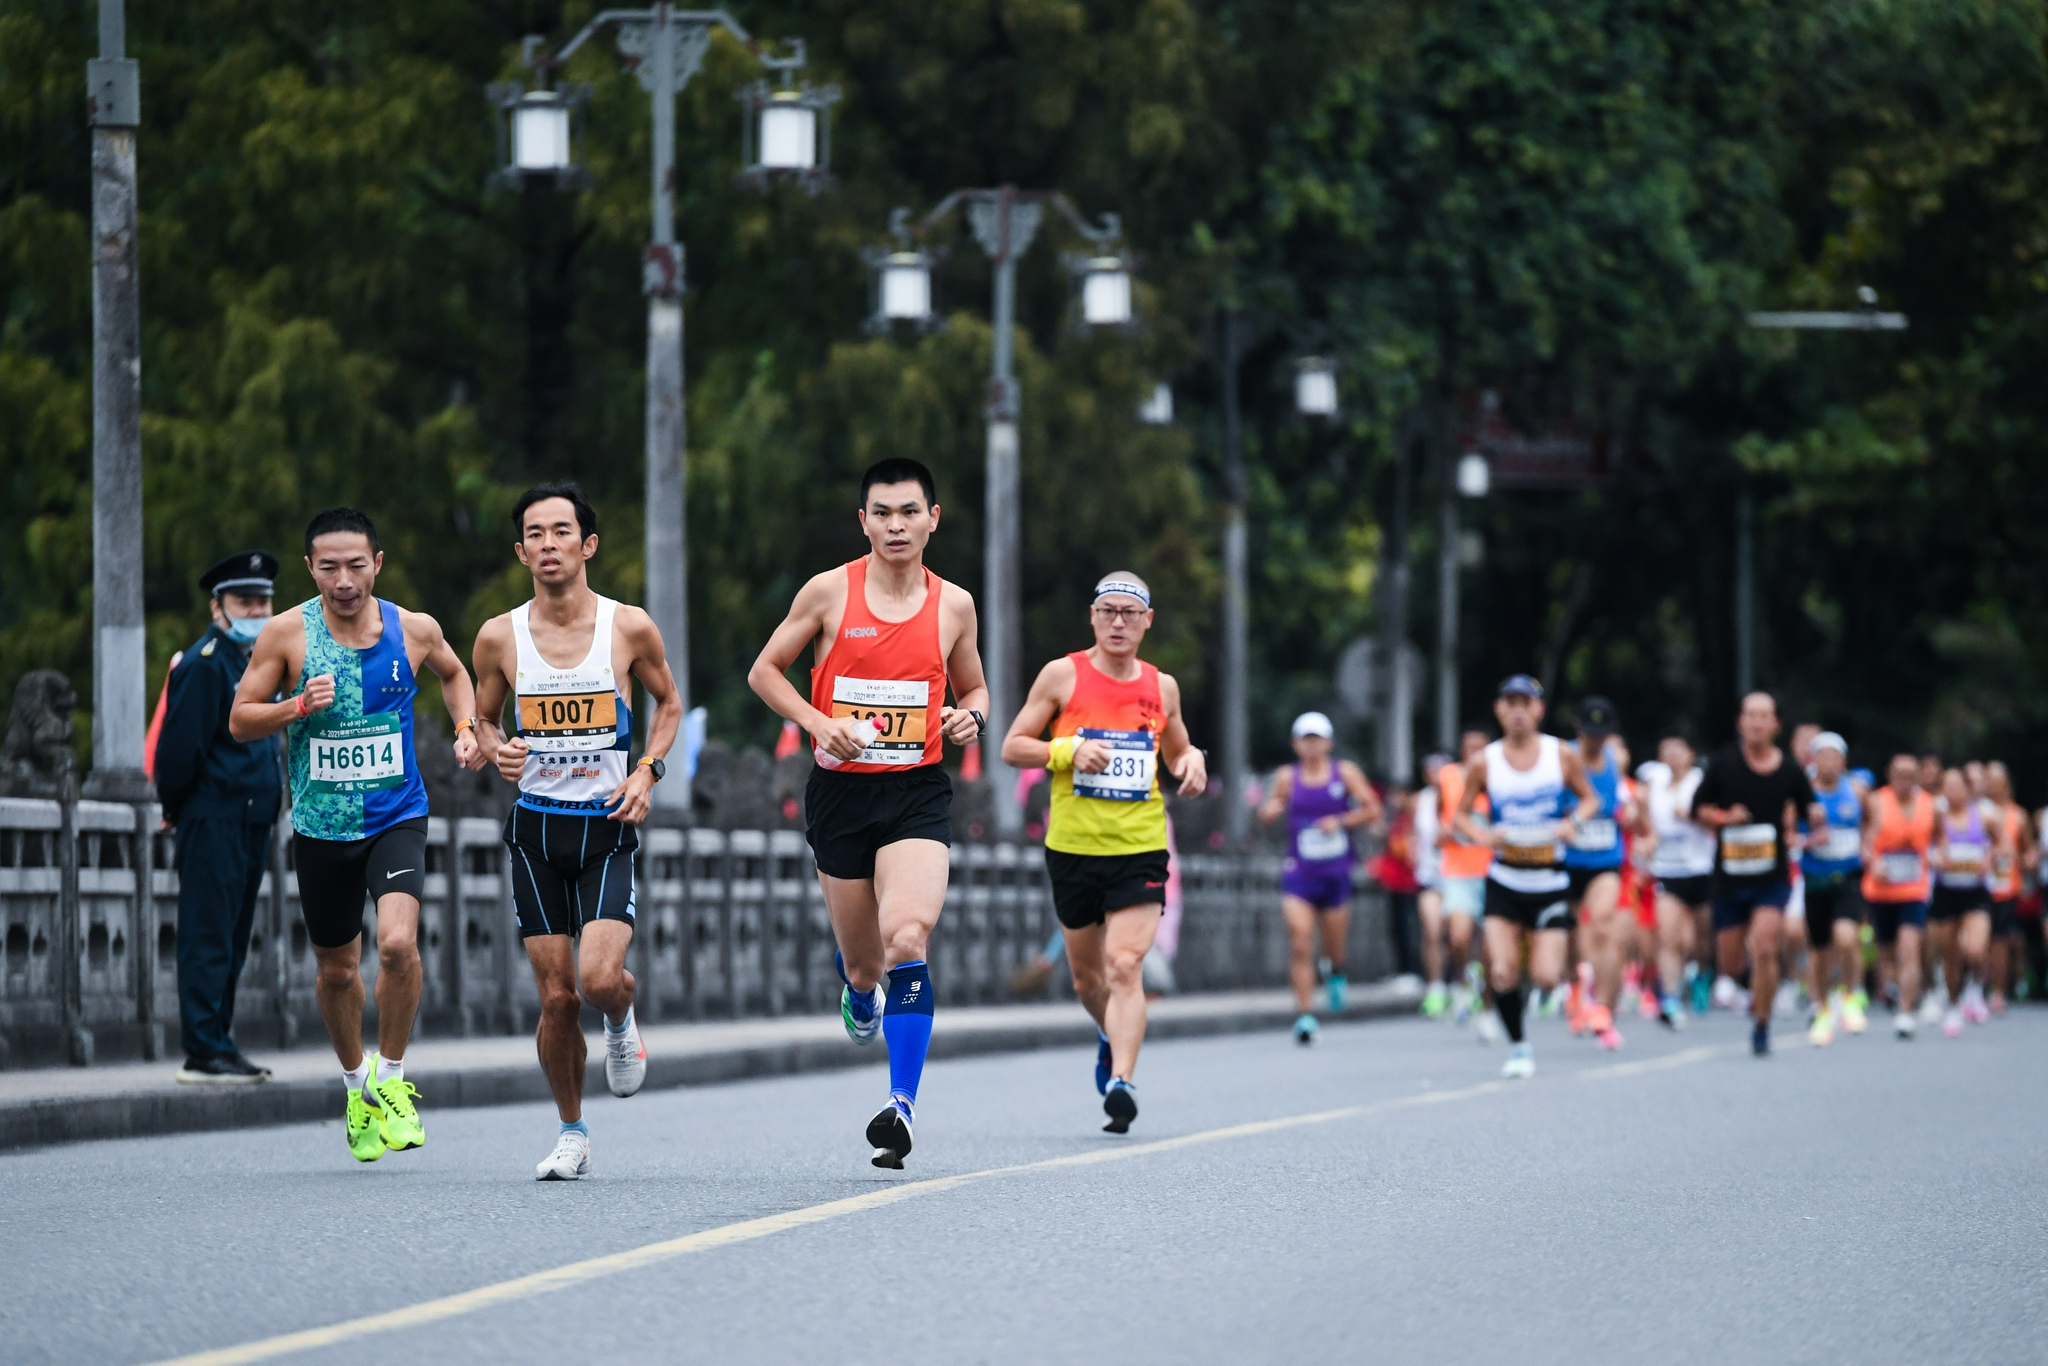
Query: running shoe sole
x: 889, y: 1135
x: 1121, y: 1107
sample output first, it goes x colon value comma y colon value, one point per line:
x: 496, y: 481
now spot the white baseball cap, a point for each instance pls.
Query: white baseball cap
x: 1313, y: 723
x: 1827, y: 739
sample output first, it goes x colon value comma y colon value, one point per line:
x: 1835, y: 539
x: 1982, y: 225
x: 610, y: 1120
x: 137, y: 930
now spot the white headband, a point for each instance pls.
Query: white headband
x: 1136, y: 590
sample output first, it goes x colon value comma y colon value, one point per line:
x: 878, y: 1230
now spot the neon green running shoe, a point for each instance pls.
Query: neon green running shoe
x: 365, y: 1133
x: 1435, y: 1000
x: 393, y: 1099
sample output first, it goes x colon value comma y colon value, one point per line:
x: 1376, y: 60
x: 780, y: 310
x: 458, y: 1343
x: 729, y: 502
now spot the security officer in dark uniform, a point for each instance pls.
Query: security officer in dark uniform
x: 223, y: 796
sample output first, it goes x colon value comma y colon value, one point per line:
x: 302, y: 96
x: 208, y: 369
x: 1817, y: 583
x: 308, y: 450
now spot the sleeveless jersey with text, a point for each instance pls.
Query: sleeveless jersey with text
x: 1461, y: 858
x: 1527, y: 805
x: 576, y: 722
x: 1683, y: 848
x: 890, y: 674
x: 1966, y: 851
x: 353, y: 771
x: 1835, y: 849
x: 1597, y: 846
x: 1898, y: 869
x: 1308, y: 803
x: 1120, y: 810
x: 2006, y: 880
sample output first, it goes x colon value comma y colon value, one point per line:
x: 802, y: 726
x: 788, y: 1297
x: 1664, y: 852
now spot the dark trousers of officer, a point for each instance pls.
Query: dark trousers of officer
x: 220, y: 869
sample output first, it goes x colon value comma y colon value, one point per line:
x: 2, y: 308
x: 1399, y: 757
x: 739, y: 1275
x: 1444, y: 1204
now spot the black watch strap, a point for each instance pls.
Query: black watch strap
x: 980, y: 721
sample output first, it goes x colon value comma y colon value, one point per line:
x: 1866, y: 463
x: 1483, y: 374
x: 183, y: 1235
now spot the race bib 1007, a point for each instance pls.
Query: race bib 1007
x: 555, y: 721
x: 894, y: 710
x: 1128, y: 778
x: 363, y: 755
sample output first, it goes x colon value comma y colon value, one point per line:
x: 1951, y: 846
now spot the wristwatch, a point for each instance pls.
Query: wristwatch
x: 656, y: 767
x: 980, y: 721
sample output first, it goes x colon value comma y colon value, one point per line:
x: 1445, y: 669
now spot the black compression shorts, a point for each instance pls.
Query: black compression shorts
x: 848, y: 816
x: 1087, y: 887
x: 1950, y: 903
x: 569, y: 869
x: 1829, y: 900
x: 1530, y: 910
x: 1582, y: 878
x: 334, y: 875
x: 1694, y: 891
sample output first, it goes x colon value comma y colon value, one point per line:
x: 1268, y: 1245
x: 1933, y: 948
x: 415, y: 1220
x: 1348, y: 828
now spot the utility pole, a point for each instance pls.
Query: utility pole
x: 1396, y: 743
x: 1447, y: 529
x: 1236, y: 648
x: 114, y: 108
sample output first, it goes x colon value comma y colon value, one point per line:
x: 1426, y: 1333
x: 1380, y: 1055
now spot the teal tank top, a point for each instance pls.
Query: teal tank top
x: 353, y: 770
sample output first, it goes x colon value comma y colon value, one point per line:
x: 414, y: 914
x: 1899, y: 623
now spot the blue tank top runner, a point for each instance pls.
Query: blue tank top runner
x: 1308, y: 803
x: 1598, y: 845
x: 1836, y: 849
x: 353, y: 770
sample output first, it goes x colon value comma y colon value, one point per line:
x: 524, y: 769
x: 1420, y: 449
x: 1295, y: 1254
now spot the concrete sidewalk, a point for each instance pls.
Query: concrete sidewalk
x: 132, y: 1100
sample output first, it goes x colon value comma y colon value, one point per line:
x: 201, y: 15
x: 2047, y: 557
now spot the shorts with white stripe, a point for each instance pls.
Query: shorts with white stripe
x: 569, y: 869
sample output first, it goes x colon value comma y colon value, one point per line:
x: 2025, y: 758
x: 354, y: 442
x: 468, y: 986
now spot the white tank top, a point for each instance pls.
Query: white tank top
x: 1683, y: 848
x: 577, y: 726
x: 1527, y: 806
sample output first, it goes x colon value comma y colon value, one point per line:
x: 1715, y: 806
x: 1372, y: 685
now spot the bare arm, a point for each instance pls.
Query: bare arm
x: 798, y: 631
x: 1575, y: 778
x: 1368, y: 811
x: 963, y: 671
x: 456, y: 693
x: 1176, y: 751
x: 1275, y: 805
x: 631, y: 798
x: 253, y: 714
x: 494, y: 660
x: 1022, y: 747
x: 1461, y: 819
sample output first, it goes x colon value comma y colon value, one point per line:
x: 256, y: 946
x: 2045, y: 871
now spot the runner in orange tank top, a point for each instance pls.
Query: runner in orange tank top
x: 2008, y: 882
x: 1116, y: 726
x: 1898, y: 826
x: 1447, y: 935
x: 888, y: 637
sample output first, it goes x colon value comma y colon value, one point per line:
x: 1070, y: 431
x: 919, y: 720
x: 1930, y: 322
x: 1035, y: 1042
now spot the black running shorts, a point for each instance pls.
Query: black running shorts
x: 2004, y: 916
x: 1530, y: 910
x: 848, y: 816
x: 1693, y: 891
x: 569, y: 869
x: 1828, y: 900
x: 1582, y: 878
x: 1087, y: 887
x: 1951, y: 903
x: 334, y: 874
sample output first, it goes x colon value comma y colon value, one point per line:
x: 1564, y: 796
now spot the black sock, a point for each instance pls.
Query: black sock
x: 1509, y: 1003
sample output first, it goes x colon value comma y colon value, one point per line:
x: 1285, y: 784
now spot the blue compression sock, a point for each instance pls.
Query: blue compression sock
x: 907, y: 1027
x: 579, y: 1126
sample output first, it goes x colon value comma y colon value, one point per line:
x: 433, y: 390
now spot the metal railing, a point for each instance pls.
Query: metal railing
x: 731, y: 924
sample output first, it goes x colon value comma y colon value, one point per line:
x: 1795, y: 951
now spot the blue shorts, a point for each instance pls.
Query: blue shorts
x: 1887, y: 916
x: 1325, y: 886
x: 1734, y: 906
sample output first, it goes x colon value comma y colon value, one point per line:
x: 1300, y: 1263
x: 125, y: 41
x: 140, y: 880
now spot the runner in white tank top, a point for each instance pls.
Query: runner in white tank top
x: 1539, y: 793
x: 563, y: 660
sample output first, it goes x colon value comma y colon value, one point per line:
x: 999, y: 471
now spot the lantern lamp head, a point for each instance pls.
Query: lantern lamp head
x: 786, y: 131
x: 1315, y: 386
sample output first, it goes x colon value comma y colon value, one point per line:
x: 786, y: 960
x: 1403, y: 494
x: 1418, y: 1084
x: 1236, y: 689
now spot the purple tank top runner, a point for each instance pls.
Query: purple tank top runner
x: 1309, y: 803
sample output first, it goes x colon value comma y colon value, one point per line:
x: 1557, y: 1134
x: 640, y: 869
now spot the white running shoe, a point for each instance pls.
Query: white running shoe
x: 1488, y: 1030
x: 1521, y: 1063
x: 1952, y: 1022
x: 1933, y: 1006
x: 1903, y: 1023
x: 1724, y: 992
x: 625, y: 1059
x: 570, y: 1159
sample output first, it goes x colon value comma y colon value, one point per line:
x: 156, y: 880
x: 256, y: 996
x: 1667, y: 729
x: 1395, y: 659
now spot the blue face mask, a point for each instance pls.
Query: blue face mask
x: 246, y: 629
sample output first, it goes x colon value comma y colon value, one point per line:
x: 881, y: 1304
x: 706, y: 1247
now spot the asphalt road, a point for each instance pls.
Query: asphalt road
x: 1678, y: 1202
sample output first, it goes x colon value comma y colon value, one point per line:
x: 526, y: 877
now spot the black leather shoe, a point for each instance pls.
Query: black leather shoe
x: 223, y: 1071
x: 241, y: 1064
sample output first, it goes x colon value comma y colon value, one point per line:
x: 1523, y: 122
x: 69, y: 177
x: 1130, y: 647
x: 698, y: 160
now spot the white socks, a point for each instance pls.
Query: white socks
x: 390, y: 1068
x: 354, y: 1080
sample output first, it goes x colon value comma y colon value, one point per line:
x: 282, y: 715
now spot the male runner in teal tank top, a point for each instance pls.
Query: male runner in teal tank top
x: 347, y: 662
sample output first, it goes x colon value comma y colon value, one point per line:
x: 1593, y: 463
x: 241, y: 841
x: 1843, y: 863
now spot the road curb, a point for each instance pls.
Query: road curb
x: 144, y: 1114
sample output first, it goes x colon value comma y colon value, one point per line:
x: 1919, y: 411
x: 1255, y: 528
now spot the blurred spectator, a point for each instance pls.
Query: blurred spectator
x: 1394, y: 869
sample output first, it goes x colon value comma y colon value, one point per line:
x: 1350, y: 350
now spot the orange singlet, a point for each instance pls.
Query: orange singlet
x: 1898, y: 872
x: 2005, y: 880
x: 1461, y: 860
x: 890, y: 674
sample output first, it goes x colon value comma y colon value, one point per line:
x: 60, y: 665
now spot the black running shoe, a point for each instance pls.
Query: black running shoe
x: 216, y: 1072
x: 1121, y: 1105
x: 889, y: 1134
x: 1760, y: 1040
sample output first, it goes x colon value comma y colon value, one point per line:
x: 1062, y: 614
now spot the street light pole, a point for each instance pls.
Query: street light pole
x: 114, y: 108
x: 1396, y: 743
x: 1447, y: 529
x: 1004, y: 222
x: 1865, y: 318
x: 1236, y: 626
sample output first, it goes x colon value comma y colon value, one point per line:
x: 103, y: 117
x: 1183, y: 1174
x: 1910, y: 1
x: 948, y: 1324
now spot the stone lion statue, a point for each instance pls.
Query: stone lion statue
x: 35, y: 756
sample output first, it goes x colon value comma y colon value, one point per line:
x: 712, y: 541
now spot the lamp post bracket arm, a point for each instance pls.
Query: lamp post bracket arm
x: 1860, y: 321
x: 1112, y: 228
x: 707, y: 18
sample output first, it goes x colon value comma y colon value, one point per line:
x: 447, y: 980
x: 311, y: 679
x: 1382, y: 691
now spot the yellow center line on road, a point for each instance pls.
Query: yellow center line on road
x: 576, y: 1273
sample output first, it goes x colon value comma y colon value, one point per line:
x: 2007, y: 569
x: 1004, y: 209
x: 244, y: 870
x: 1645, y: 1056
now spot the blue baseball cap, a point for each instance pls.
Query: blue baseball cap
x: 1521, y: 685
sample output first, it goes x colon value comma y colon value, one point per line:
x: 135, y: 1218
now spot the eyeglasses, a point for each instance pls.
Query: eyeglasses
x: 1120, y: 614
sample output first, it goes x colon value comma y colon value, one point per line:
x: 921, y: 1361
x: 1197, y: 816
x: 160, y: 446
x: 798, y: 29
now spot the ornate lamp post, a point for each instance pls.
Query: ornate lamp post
x: 787, y: 134
x: 1004, y: 221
